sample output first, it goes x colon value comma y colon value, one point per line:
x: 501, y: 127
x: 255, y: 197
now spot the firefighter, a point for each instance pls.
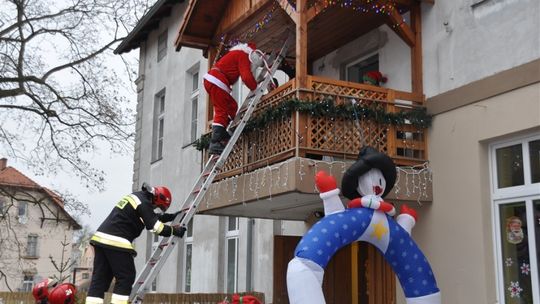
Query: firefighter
x: 59, y: 293
x: 114, y: 253
x: 242, y: 60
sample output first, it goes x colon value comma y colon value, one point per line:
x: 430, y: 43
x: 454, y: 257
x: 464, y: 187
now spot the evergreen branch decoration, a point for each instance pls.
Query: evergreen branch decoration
x: 417, y: 116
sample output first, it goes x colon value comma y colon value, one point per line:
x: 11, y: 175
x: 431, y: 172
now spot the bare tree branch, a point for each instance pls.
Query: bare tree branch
x: 55, y: 64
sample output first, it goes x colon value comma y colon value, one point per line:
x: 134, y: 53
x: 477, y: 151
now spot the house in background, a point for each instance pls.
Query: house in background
x: 33, y: 226
x: 477, y: 164
x: 82, y: 271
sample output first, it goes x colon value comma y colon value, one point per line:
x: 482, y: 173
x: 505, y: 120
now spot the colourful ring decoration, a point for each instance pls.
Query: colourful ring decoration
x: 334, y: 231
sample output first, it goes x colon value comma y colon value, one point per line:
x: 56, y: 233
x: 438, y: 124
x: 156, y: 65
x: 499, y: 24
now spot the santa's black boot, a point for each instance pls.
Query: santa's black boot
x: 219, y: 140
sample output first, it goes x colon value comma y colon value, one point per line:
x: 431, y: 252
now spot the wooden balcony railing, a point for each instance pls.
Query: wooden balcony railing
x: 313, y: 135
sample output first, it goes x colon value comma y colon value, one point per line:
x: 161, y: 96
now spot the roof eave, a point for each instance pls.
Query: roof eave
x: 129, y: 42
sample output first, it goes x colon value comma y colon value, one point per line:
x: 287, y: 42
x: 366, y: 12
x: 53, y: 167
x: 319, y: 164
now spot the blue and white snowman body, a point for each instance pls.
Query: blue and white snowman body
x: 368, y: 218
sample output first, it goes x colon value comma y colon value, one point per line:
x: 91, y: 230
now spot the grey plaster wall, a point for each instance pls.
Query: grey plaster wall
x: 468, y: 40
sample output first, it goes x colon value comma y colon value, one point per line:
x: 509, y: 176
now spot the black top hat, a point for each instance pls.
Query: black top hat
x: 368, y: 158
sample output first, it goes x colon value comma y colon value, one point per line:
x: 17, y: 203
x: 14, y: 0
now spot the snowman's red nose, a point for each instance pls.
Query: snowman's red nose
x: 377, y: 190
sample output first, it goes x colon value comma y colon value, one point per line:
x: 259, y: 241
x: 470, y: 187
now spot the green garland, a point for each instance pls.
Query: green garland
x: 418, y: 116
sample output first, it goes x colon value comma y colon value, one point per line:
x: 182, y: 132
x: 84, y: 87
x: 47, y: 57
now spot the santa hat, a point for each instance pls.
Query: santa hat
x: 368, y: 158
x: 374, y: 77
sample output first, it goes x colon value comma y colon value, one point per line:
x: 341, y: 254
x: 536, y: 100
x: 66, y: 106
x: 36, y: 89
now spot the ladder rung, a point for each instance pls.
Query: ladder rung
x: 243, y: 109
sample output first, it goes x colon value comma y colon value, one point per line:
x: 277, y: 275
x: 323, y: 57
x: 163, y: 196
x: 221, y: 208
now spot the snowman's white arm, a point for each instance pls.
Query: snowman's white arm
x: 331, y: 201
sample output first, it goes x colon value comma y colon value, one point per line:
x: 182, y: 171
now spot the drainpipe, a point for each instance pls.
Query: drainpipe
x: 249, y: 255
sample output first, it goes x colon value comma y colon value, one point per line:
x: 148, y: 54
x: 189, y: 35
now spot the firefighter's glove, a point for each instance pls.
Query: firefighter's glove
x: 168, y: 217
x: 178, y: 231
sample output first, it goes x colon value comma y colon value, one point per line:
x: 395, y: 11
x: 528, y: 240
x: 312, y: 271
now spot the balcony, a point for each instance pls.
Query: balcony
x: 297, y: 131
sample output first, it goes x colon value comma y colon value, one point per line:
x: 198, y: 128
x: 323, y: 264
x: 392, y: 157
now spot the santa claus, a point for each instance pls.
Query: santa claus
x: 242, y: 61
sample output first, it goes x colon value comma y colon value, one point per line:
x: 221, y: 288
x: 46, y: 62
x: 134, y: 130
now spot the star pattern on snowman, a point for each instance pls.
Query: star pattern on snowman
x: 525, y: 268
x: 515, y: 290
x: 379, y: 230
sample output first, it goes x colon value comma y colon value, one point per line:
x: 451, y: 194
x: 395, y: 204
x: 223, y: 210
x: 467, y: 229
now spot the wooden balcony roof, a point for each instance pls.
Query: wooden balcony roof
x: 205, y: 23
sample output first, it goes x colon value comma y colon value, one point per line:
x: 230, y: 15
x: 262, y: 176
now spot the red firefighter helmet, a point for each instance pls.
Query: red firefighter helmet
x: 237, y: 299
x: 162, y: 198
x: 63, y: 294
x: 41, y: 290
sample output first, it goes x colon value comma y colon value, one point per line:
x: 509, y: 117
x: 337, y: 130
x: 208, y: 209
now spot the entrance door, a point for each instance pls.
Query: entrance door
x: 357, y: 274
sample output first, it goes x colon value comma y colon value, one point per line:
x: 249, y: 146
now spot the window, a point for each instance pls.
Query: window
x: 22, y: 209
x: 3, y: 206
x: 194, y: 107
x: 516, y: 201
x: 28, y: 283
x: 355, y: 71
x: 156, y: 239
x: 162, y: 46
x: 153, y: 288
x: 31, y: 246
x: 159, y: 126
x: 188, y: 254
x: 231, y: 251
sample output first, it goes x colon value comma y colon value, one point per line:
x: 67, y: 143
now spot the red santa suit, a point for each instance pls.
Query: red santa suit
x: 238, y: 62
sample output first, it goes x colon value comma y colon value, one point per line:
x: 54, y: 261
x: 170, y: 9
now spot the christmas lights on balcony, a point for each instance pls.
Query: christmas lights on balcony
x: 271, y: 179
x: 416, y: 117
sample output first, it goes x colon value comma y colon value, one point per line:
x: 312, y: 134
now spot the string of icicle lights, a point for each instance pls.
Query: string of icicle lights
x: 271, y: 178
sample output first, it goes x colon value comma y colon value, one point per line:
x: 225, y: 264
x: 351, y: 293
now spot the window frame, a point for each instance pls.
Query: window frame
x: 528, y: 193
x: 188, y: 241
x: 34, y: 254
x: 19, y: 204
x: 232, y: 235
x: 162, y: 45
x: 26, y: 282
x: 528, y: 188
x: 346, y: 66
x: 3, y: 206
x: 194, y: 100
x: 158, y: 126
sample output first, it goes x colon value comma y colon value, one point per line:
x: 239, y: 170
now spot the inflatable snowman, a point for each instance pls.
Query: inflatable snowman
x: 368, y: 218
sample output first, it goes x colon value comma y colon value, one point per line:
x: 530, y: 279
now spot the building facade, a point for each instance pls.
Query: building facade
x: 34, y: 226
x: 82, y: 271
x: 481, y: 83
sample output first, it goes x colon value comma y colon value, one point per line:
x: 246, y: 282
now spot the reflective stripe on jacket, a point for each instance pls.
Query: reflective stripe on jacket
x: 131, y: 215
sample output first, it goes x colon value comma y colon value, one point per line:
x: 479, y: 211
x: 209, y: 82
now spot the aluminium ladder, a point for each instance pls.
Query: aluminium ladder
x: 213, y: 166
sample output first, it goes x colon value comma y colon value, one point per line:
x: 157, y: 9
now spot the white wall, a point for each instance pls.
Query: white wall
x: 460, y: 44
x: 394, y: 58
x: 180, y: 163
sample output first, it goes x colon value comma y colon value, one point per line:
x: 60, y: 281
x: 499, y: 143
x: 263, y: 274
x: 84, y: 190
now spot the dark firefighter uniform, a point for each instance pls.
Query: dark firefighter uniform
x: 113, y: 247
